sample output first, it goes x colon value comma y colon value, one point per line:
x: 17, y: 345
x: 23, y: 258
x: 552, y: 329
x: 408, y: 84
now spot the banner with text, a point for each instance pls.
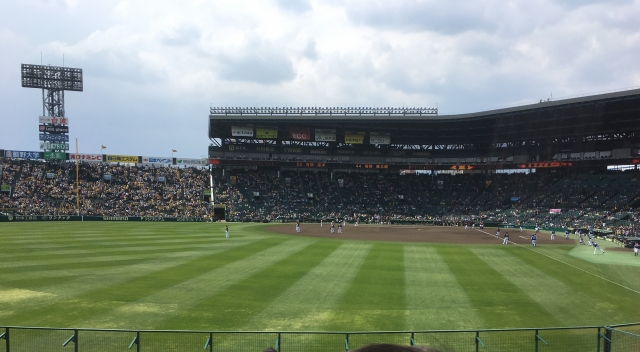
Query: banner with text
x: 242, y: 131
x: 54, y: 120
x: 86, y: 157
x: 122, y: 159
x: 54, y: 146
x: 54, y: 156
x: 19, y: 154
x: 53, y: 129
x: 300, y: 133
x: 266, y: 133
x: 379, y: 138
x: 156, y: 160
x: 54, y: 137
x: 324, y: 135
x: 354, y: 137
x: 191, y: 161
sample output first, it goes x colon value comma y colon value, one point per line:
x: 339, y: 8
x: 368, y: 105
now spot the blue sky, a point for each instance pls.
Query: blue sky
x: 152, y: 69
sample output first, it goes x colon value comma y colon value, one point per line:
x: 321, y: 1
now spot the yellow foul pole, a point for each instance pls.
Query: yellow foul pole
x: 77, y: 182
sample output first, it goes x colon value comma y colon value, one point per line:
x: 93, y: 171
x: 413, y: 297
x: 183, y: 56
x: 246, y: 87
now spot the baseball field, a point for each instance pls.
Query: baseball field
x: 188, y: 276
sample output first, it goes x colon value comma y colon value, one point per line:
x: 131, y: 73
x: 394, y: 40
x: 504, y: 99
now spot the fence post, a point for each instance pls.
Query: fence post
x: 607, y: 341
x: 536, y: 338
x: 5, y: 336
x: 77, y: 340
x: 599, y: 338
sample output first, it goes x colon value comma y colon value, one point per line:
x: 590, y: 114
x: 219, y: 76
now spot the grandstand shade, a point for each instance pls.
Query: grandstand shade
x: 535, y: 132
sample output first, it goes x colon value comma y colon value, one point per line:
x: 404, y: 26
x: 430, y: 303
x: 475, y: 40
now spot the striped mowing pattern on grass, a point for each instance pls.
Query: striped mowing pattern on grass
x: 188, y: 276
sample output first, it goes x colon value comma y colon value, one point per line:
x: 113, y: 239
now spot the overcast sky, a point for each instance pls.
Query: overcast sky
x: 152, y: 69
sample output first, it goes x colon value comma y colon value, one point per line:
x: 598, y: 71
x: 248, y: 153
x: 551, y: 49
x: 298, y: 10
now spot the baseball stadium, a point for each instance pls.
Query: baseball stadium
x: 330, y: 228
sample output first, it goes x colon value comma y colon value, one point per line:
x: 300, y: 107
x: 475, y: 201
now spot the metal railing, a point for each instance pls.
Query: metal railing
x: 620, y: 338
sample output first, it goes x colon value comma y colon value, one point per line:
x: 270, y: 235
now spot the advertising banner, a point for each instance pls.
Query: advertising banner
x: 379, y: 138
x: 323, y: 135
x: 300, y: 133
x: 242, y: 131
x: 54, y: 156
x: 555, y: 211
x: 53, y: 120
x: 86, y: 157
x: 266, y: 133
x: 54, y: 137
x: 354, y: 137
x: 194, y: 162
x: 122, y: 159
x: 53, y: 129
x: 54, y: 146
x: 156, y: 160
x: 19, y: 154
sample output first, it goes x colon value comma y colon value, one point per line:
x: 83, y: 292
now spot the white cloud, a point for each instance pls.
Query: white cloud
x: 154, y: 70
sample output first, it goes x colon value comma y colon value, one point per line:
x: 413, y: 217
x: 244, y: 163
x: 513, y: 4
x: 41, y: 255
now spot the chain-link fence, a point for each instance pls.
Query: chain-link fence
x: 619, y: 338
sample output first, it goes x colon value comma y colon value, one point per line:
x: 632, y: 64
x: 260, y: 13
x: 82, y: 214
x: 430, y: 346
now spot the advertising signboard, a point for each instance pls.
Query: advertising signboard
x: 54, y: 146
x: 300, y: 133
x: 266, y: 133
x: 354, y: 137
x: 19, y: 154
x: 193, y: 162
x: 242, y: 131
x: 54, y: 156
x: 379, y: 138
x: 53, y: 129
x: 122, y: 159
x: 86, y: 157
x: 54, y: 120
x: 324, y: 135
x: 156, y: 160
x: 54, y: 137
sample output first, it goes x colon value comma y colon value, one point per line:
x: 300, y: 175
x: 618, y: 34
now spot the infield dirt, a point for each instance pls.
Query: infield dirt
x: 428, y: 234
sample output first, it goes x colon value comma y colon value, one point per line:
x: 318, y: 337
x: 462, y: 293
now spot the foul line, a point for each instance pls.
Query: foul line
x: 571, y: 265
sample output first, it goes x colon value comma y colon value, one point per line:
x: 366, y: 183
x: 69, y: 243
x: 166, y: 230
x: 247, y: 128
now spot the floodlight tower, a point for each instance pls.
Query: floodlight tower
x: 53, y: 80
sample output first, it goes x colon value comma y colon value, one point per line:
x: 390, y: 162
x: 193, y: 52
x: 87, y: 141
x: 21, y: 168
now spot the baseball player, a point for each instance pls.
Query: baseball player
x: 339, y: 228
x: 498, y: 233
x: 581, y: 239
x: 635, y: 249
x: 533, y: 239
x: 298, y: 226
x: 596, y: 247
x: 333, y: 227
x: 520, y: 228
x: 553, y: 234
x: 226, y: 231
x: 566, y: 234
x: 506, y: 238
x: 320, y: 222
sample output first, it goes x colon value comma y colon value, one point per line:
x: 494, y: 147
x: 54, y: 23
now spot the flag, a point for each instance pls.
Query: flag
x: 174, y: 151
x: 104, y: 147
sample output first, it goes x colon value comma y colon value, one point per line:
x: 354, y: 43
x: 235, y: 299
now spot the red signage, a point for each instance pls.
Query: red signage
x: 300, y: 133
x: 542, y: 165
x: 214, y: 161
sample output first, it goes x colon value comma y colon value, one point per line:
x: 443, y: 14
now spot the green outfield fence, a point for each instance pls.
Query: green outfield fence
x: 618, y: 338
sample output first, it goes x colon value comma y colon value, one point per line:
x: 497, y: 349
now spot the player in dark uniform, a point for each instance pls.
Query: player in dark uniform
x: 635, y: 249
x: 596, y: 247
x: 533, y: 239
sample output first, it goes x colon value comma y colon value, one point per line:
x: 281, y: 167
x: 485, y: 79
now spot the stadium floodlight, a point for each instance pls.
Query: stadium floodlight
x: 53, y: 80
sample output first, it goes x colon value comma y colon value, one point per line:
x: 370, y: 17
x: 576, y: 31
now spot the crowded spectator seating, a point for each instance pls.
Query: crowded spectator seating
x: 609, y: 200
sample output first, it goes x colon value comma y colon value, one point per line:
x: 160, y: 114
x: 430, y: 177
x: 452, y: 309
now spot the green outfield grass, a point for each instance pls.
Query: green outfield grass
x: 187, y: 276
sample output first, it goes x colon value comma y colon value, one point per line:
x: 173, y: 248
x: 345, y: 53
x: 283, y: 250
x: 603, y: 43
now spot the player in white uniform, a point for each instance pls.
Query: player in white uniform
x: 298, y: 226
x: 339, y: 228
x: 226, y: 231
x: 506, y: 238
x: 320, y: 222
x: 635, y: 249
x: 553, y: 234
x: 333, y: 226
x: 498, y: 233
